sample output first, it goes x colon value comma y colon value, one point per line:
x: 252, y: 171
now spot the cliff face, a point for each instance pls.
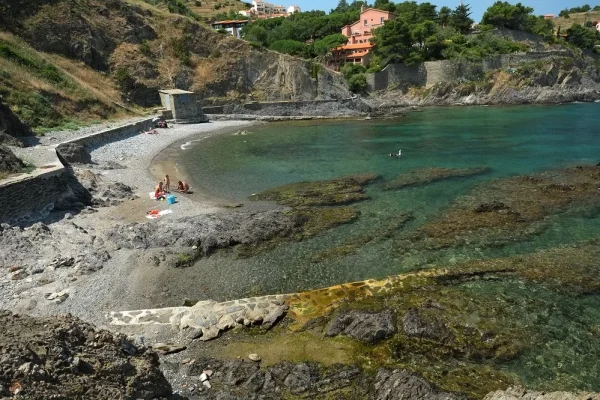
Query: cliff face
x: 144, y: 49
x: 551, y: 80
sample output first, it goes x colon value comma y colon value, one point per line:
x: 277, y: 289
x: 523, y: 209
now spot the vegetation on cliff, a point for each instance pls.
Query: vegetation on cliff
x: 75, y: 60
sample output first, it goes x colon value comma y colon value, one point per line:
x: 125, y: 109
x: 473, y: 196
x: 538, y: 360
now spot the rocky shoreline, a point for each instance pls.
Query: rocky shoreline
x: 402, y: 338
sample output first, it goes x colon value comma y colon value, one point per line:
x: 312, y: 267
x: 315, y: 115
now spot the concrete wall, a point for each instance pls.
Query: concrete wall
x: 431, y: 73
x: 31, y: 197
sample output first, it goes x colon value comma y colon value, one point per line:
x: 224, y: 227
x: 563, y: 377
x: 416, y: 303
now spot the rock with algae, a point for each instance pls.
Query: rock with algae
x: 510, y: 209
x: 424, y: 176
x: 334, y: 192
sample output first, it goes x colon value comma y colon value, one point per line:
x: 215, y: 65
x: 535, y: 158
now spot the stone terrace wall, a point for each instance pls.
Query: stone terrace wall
x: 430, y: 73
x: 285, y: 106
x: 31, y: 197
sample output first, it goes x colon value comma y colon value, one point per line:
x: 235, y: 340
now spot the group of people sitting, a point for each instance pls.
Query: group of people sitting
x: 164, y: 187
x: 157, y: 122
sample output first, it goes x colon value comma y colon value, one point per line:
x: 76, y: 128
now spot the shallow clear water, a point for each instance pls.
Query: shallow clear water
x: 511, y: 141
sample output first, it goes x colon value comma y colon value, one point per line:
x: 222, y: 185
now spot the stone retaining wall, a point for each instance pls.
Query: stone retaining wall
x: 430, y: 73
x: 31, y: 197
x: 280, y: 106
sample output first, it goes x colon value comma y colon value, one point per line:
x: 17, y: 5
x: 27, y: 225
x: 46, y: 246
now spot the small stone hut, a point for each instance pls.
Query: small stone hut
x: 184, y: 106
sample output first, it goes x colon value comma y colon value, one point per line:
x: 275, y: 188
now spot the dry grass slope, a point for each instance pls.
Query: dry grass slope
x: 575, y: 18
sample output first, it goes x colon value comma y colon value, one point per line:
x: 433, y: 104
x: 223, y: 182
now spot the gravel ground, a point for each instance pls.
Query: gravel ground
x: 142, y: 173
x: 91, y: 295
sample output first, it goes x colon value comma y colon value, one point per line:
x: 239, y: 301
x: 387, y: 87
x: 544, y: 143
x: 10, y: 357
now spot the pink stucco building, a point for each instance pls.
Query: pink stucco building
x: 358, y: 49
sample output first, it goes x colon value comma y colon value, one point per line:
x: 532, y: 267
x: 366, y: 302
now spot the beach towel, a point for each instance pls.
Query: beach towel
x: 153, y: 214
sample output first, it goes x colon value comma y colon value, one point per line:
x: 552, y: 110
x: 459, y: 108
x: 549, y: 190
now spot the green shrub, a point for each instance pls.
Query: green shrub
x: 145, y: 49
x: 358, y: 83
x: 292, y: 47
x: 38, y: 66
x: 34, y: 109
x: 349, y: 70
x: 217, y: 6
x: 315, y: 68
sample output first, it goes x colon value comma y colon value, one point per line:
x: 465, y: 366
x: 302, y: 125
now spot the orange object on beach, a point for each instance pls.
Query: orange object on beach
x: 153, y: 212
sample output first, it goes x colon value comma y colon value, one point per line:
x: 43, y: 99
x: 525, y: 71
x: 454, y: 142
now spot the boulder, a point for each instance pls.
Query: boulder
x: 399, y: 384
x: 9, y: 162
x: 11, y: 125
x: 517, y: 393
x: 8, y: 140
x: 365, y: 326
x: 415, y: 325
x: 74, y: 153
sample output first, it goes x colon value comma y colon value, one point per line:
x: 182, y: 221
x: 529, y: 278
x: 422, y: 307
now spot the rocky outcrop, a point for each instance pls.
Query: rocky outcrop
x: 204, y: 232
x: 554, y: 80
x: 240, y: 379
x: 74, y: 153
x: 424, y: 176
x: 9, y: 163
x: 64, y: 357
x: 11, y: 125
x: 517, y: 393
x: 365, y: 326
x: 146, y: 50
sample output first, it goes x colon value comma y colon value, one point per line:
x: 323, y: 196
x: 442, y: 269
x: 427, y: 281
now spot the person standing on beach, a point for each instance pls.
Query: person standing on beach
x: 167, y: 184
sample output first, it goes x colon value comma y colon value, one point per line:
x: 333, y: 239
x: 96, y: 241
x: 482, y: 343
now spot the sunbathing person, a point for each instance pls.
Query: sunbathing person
x: 150, y: 131
x: 182, y: 187
x: 159, y: 193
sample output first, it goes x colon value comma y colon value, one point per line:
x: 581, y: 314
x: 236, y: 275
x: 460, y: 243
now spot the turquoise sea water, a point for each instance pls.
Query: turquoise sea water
x: 511, y: 141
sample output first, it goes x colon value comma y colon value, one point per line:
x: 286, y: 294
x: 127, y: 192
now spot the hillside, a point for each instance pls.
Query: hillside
x: 75, y: 59
x: 206, y: 10
x: 575, y: 18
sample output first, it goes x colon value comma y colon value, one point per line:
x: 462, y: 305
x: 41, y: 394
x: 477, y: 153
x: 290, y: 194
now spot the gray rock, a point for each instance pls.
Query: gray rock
x: 254, y: 357
x: 404, y: 385
x: 8, y: 140
x: 415, y: 325
x: 168, y: 348
x: 9, y: 162
x: 517, y: 393
x: 301, y: 378
x: 362, y: 325
x: 74, y: 153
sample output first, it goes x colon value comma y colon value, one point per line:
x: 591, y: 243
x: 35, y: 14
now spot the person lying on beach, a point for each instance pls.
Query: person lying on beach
x: 159, y: 193
x: 151, y: 131
x: 182, y: 187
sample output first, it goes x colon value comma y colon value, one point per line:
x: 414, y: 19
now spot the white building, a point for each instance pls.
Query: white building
x: 293, y: 9
x: 233, y: 27
x: 263, y: 8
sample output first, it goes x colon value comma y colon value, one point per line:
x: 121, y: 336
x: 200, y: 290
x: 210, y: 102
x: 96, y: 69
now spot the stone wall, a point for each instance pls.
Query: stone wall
x: 430, y: 73
x: 31, y: 197
x: 284, y: 108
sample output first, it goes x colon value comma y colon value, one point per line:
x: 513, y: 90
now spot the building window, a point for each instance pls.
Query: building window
x: 382, y: 19
x: 365, y: 22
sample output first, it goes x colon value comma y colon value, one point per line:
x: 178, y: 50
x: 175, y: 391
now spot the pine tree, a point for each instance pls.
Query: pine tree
x: 461, y: 19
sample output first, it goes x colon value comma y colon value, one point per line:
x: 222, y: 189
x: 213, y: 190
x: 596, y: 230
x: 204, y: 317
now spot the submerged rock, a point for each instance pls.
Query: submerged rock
x: 506, y: 210
x: 334, y: 192
x: 365, y: 326
x: 425, y: 176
